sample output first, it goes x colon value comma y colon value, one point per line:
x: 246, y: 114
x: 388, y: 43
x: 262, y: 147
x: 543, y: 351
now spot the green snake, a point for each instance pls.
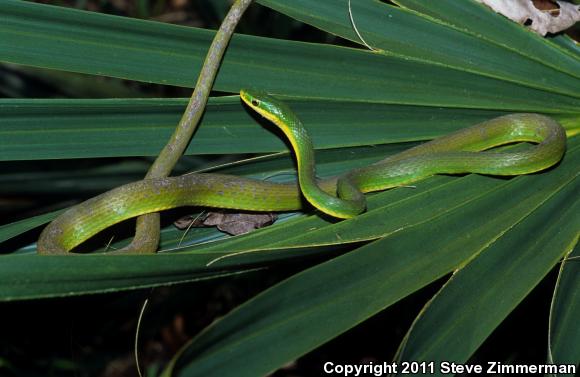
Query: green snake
x: 341, y: 196
x: 147, y: 231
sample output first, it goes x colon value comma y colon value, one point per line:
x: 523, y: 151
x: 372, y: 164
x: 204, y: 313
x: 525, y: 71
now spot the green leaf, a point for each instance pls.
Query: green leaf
x: 479, y: 20
x: 387, y: 213
x: 77, y: 41
x: 9, y: 231
x: 33, y: 276
x: 396, y: 31
x: 564, y: 332
x: 567, y: 43
x: 480, y: 295
x: 254, y: 337
x: 137, y: 127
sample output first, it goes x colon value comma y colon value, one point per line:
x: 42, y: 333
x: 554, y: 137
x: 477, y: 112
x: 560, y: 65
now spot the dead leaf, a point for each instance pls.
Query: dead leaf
x: 228, y: 222
x: 541, y: 16
x: 189, y: 221
x: 547, y: 6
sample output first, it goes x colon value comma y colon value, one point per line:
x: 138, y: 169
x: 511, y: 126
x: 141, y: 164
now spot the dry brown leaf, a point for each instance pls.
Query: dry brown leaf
x: 541, y: 16
x: 231, y: 223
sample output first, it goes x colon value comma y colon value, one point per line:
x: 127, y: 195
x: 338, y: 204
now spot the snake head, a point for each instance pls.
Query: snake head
x: 254, y: 97
x: 267, y: 106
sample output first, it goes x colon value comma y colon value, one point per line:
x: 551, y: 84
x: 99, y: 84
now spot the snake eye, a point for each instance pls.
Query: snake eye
x: 255, y: 102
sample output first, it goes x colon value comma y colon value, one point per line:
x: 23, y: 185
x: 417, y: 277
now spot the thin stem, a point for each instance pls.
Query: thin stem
x: 147, y: 232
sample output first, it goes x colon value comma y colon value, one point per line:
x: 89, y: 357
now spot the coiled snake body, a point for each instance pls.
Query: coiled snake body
x: 341, y: 196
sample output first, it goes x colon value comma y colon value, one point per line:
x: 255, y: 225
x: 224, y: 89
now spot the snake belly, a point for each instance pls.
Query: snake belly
x: 341, y: 196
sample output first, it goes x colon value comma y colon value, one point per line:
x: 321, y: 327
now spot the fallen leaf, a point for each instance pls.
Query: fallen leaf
x: 228, y: 222
x: 541, y: 16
